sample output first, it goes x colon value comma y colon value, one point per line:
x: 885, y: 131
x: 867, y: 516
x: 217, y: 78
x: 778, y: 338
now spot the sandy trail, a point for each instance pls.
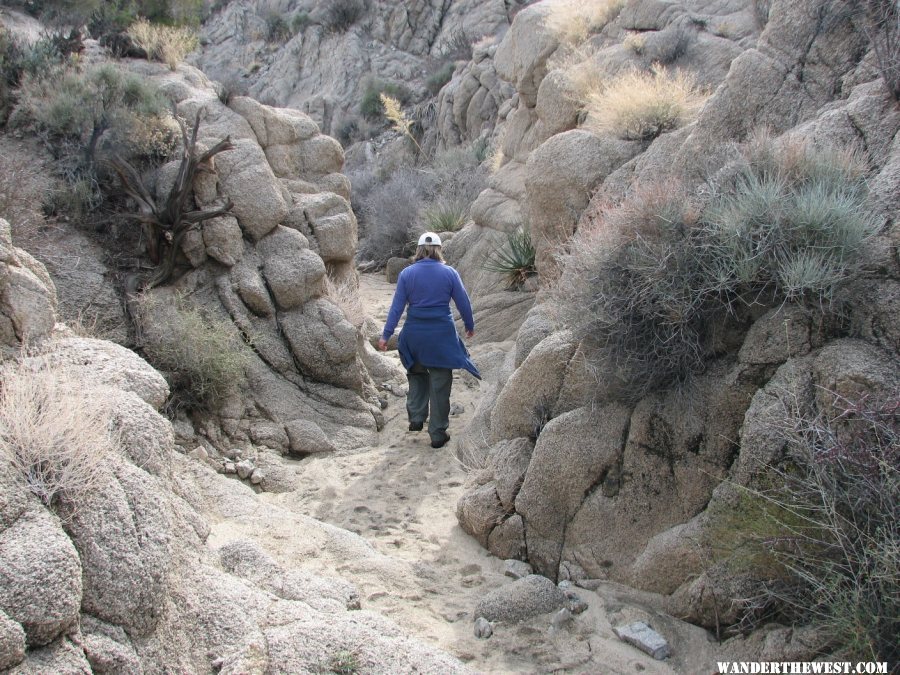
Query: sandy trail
x: 427, y: 574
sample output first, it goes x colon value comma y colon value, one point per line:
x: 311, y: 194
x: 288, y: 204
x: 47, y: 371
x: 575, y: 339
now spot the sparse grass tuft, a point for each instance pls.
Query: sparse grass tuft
x: 345, y: 294
x: 55, y: 435
x: 573, y: 21
x: 641, y: 106
x: 440, y: 77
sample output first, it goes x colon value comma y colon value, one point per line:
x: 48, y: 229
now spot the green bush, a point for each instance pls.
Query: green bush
x: 204, y: 358
x: 371, y: 108
x: 277, y: 29
x: 300, y: 21
x: 66, y: 102
x: 440, y: 77
x: 653, y: 283
x: 342, y: 14
x: 515, y: 260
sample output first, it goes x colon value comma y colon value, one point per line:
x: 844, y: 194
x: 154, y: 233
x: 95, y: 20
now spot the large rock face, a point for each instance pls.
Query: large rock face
x: 393, y: 42
x: 261, y: 270
x: 626, y: 491
x: 121, y: 580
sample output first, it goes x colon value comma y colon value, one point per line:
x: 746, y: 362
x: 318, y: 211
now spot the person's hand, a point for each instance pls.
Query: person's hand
x: 382, y: 344
x: 470, y: 333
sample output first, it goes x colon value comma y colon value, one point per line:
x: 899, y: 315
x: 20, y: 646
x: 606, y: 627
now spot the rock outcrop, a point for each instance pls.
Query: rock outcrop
x: 623, y: 491
x: 122, y: 577
x: 399, y: 44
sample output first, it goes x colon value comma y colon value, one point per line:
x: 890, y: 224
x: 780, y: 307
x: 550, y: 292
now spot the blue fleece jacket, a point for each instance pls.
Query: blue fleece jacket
x: 429, y: 335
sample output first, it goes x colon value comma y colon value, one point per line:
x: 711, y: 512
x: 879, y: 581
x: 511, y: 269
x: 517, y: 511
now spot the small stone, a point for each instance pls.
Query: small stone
x: 230, y: 467
x: 561, y: 618
x: 200, y: 453
x: 456, y: 409
x: 565, y: 585
x: 382, y: 402
x: 233, y: 453
x: 642, y: 636
x: 574, y: 603
x: 517, y: 569
x: 257, y: 477
x: 483, y: 628
x: 244, y: 468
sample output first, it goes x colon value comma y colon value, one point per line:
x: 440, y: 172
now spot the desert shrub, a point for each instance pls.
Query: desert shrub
x: 641, y: 106
x: 300, y: 20
x: 79, y: 111
x: 824, y: 534
x: 459, y: 176
x: 342, y: 14
x: 573, y: 21
x: 514, y: 260
x: 203, y: 357
x: 793, y: 221
x: 440, y: 77
x: 457, y: 46
x: 163, y: 43
x: 371, y: 106
x: 55, y: 436
x: 651, y: 283
x: 634, y: 42
x: 277, y: 29
x: 391, y: 215
x: 230, y: 87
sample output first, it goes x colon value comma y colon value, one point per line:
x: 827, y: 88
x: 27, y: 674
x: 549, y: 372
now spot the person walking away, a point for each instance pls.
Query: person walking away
x: 430, y: 348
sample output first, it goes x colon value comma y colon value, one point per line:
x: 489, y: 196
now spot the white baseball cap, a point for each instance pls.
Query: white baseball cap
x: 429, y: 238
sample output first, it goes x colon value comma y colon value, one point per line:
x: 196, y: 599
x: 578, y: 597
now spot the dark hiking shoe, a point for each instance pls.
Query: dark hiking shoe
x: 416, y: 426
x: 440, y: 442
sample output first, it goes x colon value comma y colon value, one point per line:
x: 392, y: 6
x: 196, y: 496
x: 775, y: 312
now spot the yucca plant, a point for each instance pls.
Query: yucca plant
x: 515, y: 260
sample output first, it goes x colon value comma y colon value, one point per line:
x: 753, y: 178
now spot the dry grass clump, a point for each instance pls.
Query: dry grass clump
x: 572, y: 21
x: 641, y: 106
x: 345, y: 294
x: 168, y: 44
x: 54, y: 434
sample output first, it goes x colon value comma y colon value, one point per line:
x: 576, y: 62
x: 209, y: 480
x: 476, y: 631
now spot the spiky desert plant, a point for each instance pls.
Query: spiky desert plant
x: 515, y: 260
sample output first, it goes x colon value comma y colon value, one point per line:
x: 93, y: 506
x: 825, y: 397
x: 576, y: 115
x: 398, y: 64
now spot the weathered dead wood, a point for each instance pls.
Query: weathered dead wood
x: 165, y: 224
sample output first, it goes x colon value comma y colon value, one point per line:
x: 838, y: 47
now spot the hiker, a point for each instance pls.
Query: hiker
x: 429, y: 345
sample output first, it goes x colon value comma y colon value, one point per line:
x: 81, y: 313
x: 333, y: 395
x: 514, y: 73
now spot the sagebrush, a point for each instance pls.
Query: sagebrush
x: 55, y: 435
x: 653, y: 282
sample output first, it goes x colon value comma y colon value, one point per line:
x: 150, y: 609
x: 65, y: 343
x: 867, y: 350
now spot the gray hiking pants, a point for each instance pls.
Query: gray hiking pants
x: 430, y: 385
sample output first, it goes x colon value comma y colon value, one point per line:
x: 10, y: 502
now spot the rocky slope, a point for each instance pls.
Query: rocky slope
x: 325, y: 71
x: 623, y: 492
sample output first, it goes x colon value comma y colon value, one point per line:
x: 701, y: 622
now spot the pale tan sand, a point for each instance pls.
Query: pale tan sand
x: 425, y: 572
